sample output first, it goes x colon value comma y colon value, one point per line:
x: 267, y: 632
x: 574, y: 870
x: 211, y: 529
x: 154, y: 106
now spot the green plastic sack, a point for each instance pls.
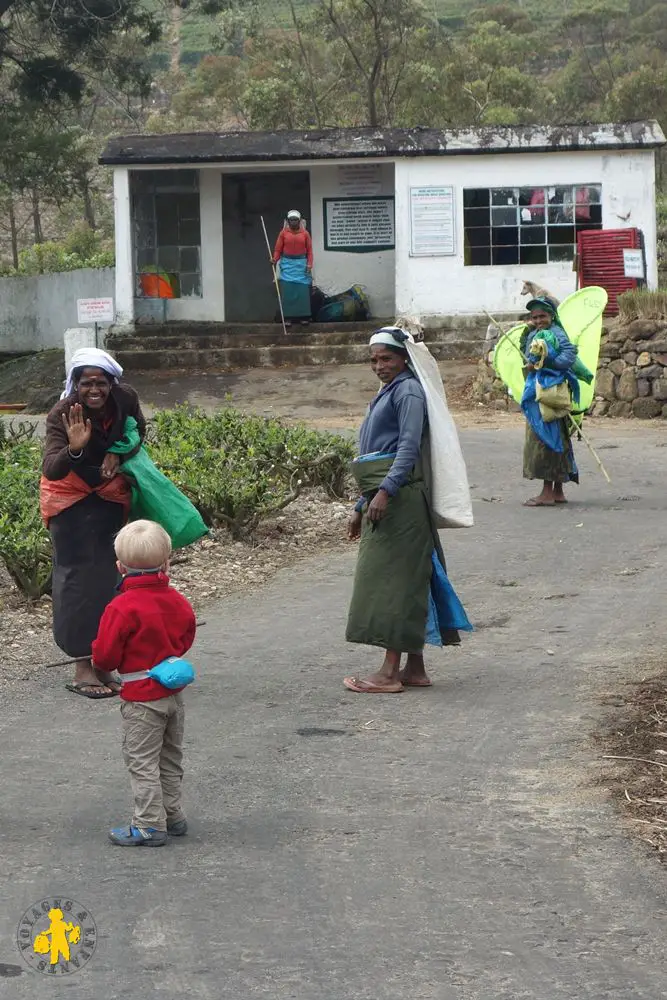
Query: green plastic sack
x: 155, y: 497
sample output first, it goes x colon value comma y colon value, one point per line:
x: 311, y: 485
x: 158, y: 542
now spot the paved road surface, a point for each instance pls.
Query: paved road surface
x: 449, y: 844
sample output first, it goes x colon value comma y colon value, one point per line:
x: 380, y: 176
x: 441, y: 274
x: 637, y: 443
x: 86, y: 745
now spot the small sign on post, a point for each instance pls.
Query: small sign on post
x: 94, y: 311
x: 633, y: 264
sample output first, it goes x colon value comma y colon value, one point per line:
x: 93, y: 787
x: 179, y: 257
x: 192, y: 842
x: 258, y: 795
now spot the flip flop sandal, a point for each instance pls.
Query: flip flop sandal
x: 539, y: 503
x: 365, y: 687
x: 92, y: 694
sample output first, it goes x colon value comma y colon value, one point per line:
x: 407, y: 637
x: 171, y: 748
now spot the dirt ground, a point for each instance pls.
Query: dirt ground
x: 327, y: 397
x: 635, y: 740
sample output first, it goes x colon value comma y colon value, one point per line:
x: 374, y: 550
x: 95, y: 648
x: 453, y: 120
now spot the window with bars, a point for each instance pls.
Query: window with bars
x: 167, y: 233
x: 527, y: 225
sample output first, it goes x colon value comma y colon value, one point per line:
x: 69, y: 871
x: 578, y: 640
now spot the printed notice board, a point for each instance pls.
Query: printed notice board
x: 359, y: 225
x: 432, y: 217
x: 633, y: 264
x: 94, y: 310
x: 360, y: 179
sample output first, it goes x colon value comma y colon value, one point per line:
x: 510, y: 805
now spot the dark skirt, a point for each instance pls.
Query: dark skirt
x: 540, y: 462
x: 84, y: 570
x: 295, y: 298
x: 392, y: 582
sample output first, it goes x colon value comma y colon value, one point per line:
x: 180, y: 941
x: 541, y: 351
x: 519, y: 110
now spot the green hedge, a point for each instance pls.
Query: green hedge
x: 236, y: 469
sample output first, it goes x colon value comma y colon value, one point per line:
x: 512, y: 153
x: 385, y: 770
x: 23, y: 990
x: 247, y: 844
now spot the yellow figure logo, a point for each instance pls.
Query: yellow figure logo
x: 57, y: 938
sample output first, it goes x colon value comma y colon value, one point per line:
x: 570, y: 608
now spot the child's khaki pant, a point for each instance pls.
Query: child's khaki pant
x: 153, y: 751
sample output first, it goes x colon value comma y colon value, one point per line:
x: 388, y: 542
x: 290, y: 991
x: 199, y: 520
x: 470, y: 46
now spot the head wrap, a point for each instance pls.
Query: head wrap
x: 391, y: 336
x: 293, y: 214
x: 91, y: 357
x: 544, y: 303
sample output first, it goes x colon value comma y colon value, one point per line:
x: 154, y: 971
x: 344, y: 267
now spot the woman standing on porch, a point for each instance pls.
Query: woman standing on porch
x: 294, y: 255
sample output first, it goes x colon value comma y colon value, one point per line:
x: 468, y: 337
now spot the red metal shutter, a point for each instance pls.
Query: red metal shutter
x: 600, y: 261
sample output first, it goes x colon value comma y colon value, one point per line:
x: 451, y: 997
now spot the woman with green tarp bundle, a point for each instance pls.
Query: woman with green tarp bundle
x: 552, y: 373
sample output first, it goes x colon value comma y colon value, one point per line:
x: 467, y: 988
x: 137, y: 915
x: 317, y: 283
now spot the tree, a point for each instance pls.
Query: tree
x: 46, y: 44
x: 378, y: 37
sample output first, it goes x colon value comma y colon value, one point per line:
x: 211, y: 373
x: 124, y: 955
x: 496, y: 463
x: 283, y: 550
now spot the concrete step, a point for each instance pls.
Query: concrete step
x: 197, y: 335
x: 175, y: 337
x: 195, y: 341
x: 221, y: 358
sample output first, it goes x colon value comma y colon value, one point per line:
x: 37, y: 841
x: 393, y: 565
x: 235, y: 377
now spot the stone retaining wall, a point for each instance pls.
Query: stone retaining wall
x: 632, y: 374
x: 631, y: 379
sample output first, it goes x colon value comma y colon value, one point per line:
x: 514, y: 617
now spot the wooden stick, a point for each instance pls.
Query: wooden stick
x: 638, y: 760
x: 66, y: 663
x: 579, y: 430
x: 275, y: 276
x: 503, y: 332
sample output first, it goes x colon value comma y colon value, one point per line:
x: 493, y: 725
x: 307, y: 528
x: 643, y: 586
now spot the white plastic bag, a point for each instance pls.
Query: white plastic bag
x: 450, y: 493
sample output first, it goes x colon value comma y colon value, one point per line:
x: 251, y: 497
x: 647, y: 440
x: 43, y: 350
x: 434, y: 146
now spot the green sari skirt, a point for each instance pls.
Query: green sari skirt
x: 390, y: 598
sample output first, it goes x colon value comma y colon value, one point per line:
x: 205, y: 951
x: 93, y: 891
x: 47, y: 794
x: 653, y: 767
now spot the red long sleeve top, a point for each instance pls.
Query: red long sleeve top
x: 146, y: 623
x: 293, y: 244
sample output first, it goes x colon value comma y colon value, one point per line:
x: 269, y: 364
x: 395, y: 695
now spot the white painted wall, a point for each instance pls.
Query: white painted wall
x: 36, y: 311
x: 440, y: 286
x: 124, y: 252
x: 335, y: 272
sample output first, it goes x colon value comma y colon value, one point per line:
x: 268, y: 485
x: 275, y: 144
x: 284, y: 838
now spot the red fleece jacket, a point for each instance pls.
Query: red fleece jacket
x: 147, y: 622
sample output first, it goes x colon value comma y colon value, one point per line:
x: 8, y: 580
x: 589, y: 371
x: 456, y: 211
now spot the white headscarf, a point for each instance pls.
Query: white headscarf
x: 392, y: 336
x: 91, y: 357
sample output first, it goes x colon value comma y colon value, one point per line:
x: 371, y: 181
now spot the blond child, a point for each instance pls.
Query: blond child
x: 144, y: 625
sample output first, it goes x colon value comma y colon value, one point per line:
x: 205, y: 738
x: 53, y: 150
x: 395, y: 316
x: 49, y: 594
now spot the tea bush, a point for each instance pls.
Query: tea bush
x: 25, y: 546
x: 236, y: 469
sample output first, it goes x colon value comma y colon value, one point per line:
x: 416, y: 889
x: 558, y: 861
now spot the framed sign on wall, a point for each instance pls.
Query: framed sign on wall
x: 359, y: 225
x: 432, y: 222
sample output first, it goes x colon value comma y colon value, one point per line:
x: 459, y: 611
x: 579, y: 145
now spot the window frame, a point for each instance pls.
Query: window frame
x: 152, y: 186
x: 502, y: 233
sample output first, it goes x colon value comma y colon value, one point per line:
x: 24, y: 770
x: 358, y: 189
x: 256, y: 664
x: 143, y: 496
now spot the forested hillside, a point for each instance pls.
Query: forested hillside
x: 73, y: 72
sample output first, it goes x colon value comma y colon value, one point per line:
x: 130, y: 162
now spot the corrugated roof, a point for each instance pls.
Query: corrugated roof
x: 353, y: 143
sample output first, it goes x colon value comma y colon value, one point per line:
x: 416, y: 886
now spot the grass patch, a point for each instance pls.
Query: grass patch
x: 642, y: 304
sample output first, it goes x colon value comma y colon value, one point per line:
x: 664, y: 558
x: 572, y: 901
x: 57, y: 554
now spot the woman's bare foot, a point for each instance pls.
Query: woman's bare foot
x: 559, y: 496
x: 414, y: 673
x: 387, y: 678
x: 109, y: 681
x: 375, y: 684
x: 547, y: 498
x: 85, y: 676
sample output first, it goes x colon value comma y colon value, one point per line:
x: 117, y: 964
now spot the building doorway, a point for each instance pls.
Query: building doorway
x: 250, y: 295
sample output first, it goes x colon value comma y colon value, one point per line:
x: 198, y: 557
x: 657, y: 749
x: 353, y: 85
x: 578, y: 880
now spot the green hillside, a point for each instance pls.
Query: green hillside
x: 197, y: 30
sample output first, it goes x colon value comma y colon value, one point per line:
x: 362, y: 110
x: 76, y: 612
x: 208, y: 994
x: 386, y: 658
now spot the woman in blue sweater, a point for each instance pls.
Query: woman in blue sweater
x: 402, y: 597
x: 547, y: 453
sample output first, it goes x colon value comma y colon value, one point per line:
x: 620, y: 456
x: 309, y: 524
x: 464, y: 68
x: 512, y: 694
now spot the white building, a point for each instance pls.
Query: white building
x: 431, y: 222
